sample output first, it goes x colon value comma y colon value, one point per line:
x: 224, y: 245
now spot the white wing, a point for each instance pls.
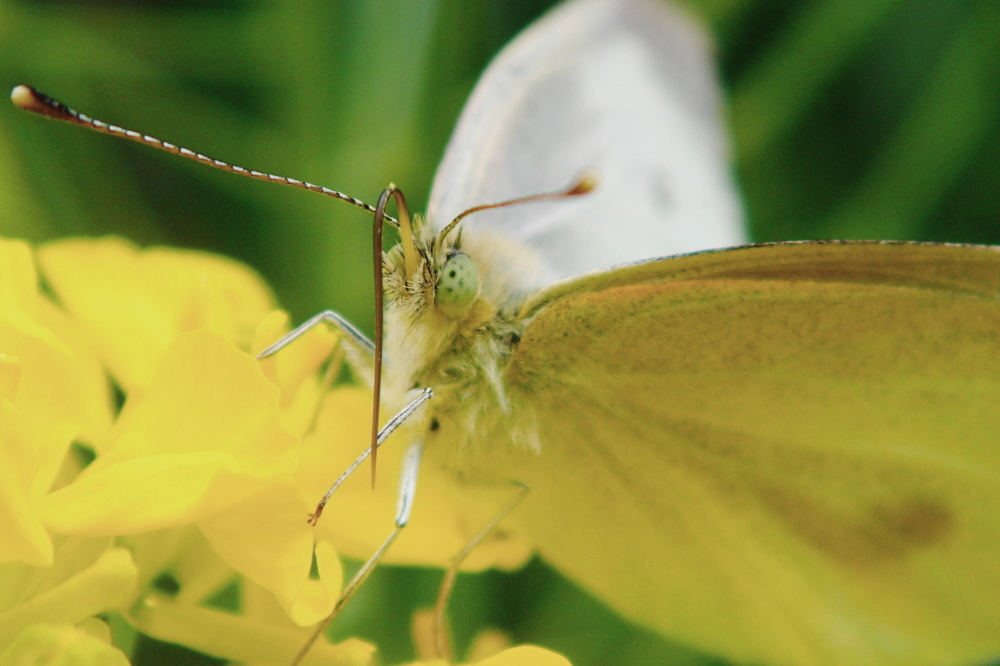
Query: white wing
x: 624, y: 86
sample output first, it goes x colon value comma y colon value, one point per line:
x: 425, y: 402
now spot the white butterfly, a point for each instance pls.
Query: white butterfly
x: 777, y: 453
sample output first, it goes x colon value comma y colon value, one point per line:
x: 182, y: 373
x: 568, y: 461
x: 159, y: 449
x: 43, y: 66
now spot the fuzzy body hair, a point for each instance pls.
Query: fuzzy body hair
x: 474, y: 419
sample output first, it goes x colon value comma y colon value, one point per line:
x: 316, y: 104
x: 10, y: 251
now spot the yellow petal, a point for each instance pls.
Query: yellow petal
x: 18, y: 281
x: 208, y: 291
x: 146, y: 494
x: 294, y: 369
x: 207, y: 396
x: 205, y: 435
x: 136, y: 302
x: 186, y: 556
x: 10, y: 376
x: 521, y: 655
x: 243, y: 639
x: 25, y: 538
x: 48, y: 388
x: 267, y: 539
x: 106, y: 584
x: 487, y: 643
x: 60, y: 645
x: 94, y: 386
x: 45, y: 402
x: 526, y: 655
x: 48, y: 397
x: 19, y: 581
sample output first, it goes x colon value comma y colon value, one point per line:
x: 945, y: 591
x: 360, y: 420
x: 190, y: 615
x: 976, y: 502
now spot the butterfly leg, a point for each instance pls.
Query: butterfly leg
x: 349, y: 335
x: 393, y: 423
x: 354, y: 338
x: 404, y: 506
x: 441, y: 640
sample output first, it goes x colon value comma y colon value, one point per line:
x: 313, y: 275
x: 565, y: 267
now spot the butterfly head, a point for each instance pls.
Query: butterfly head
x: 437, y: 271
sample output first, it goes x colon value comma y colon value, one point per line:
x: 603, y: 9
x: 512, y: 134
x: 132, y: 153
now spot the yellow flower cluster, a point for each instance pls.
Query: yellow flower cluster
x: 148, y: 461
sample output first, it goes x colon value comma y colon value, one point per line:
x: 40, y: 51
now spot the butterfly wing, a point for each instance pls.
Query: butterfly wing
x: 625, y: 88
x: 794, y: 448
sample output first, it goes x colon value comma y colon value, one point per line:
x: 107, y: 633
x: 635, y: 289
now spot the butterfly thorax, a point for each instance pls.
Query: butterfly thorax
x: 462, y: 358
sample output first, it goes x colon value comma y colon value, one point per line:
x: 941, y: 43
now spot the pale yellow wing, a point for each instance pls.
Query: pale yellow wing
x: 785, y: 453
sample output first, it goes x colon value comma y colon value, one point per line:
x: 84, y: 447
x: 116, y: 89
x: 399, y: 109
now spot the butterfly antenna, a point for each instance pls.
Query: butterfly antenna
x: 584, y: 184
x: 29, y: 99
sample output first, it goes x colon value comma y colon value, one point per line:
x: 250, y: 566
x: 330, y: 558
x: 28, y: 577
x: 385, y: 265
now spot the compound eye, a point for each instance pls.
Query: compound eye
x: 458, y: 285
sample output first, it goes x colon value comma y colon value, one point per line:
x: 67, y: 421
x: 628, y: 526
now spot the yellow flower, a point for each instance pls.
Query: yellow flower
x: 195, y: 479
x: 204, y: 446
x: 200, y: 440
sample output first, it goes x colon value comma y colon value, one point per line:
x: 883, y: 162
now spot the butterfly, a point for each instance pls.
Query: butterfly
x: 775, y: 453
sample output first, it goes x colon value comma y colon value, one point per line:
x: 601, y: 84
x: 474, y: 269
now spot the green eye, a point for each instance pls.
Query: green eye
x: 458, y: 285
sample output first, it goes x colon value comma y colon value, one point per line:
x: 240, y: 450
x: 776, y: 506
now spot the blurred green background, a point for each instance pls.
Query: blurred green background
x: 851, y: 119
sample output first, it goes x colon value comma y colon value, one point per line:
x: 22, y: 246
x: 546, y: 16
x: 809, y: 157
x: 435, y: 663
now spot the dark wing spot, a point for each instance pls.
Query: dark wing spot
x: 916, y: 522
x: 435, y: 425
x: 882, y: 534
